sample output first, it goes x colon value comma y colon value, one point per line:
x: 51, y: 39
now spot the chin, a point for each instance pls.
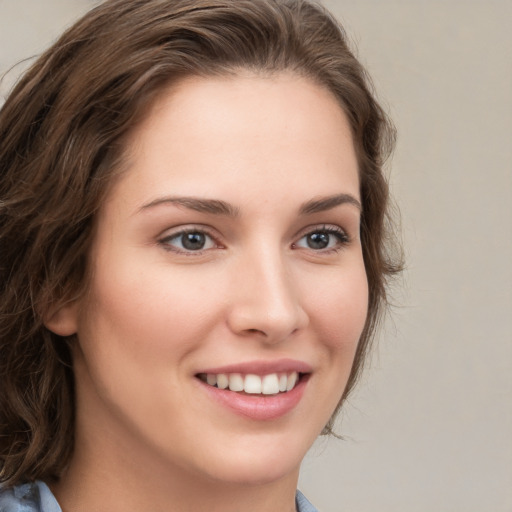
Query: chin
x: 259, y: 461
x: 255, y: 473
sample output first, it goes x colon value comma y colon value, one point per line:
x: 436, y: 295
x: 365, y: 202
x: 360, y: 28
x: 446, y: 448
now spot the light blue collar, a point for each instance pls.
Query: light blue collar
x: 37, y: 497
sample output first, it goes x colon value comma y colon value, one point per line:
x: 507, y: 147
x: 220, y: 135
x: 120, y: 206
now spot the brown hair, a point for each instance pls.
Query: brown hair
x: 61, y: 139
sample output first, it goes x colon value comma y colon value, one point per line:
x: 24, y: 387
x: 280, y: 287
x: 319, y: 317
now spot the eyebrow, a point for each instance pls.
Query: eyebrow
x: 219, y: 207
x: 327, y: 203
x: 214, y: 206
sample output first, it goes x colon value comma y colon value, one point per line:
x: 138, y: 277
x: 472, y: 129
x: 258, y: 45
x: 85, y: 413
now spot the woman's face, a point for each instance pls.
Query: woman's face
x: 228, y: 254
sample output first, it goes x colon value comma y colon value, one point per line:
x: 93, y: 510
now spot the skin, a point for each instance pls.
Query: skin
x: 156, y: 314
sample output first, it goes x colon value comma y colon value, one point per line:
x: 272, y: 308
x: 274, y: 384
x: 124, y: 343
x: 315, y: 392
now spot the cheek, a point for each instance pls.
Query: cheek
x: 338, y: 315
x: 135, y: 330
x: 149, y: 313
x: 340, y: 310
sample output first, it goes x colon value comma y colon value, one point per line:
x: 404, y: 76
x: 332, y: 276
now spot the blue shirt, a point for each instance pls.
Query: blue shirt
x: 37, y: 497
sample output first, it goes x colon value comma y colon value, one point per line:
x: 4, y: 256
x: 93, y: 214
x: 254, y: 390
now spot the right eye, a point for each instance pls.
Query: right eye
x: 188, y: 241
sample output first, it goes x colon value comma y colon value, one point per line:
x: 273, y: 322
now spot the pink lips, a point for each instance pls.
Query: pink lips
x: 260, y: 407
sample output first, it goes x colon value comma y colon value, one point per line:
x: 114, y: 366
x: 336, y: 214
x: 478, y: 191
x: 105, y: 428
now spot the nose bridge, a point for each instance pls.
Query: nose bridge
x: 267, y: 299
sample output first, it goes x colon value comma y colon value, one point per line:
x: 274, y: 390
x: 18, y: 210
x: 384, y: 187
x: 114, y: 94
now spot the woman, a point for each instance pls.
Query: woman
x: 192, y: 253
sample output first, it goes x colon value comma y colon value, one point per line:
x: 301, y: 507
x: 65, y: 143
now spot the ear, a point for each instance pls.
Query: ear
x: 63, y: 320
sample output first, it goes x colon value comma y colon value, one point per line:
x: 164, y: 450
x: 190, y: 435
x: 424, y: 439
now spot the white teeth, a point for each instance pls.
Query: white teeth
x: 236, y: 382
x: 292, y: 380
x: 283, y: 382
x: 222, y: 381
x: 252, y: 384
x: 270, y: 384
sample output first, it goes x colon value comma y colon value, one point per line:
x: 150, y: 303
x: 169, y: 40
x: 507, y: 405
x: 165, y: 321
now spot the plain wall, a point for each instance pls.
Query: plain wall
x: 429, y: 428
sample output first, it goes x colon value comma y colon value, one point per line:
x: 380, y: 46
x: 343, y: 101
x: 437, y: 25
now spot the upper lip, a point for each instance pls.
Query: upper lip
x: 262, y: 367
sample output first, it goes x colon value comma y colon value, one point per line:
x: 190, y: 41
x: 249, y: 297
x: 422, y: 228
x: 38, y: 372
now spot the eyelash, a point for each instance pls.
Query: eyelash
x: 342, y: 240
x: 165, y: 241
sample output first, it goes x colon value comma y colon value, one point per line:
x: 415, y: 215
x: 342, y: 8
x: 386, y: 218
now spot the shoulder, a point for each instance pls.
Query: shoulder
x: 29, y: 497
x: 302, y: 503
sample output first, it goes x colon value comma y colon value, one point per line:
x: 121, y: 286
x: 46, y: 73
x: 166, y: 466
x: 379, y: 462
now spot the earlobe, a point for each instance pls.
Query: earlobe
x: 63, y: 320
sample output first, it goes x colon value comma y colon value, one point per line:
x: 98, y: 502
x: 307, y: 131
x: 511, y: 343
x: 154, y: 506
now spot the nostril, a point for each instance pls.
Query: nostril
x: 255, y: 331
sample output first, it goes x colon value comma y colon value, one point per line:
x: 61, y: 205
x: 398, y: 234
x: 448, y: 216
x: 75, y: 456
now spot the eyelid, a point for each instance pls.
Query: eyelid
x: 173, y: 233
x: 322, y: 227
x: 343, y: 236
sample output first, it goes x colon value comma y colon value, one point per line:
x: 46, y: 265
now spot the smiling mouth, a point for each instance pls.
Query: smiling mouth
x: 251, y: 384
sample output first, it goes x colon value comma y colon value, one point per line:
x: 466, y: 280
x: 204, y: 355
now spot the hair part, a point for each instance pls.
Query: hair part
x: 61, y: 146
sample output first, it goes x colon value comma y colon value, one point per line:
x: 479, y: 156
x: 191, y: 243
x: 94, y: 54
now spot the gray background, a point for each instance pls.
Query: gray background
x: 429, y: 428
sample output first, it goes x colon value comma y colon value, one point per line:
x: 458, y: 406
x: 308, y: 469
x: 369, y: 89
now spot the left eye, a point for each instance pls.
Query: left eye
x: 189, y: 241
x: 323, y: 239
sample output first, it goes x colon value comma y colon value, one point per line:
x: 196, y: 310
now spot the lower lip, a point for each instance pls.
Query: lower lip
x: 259, y: 407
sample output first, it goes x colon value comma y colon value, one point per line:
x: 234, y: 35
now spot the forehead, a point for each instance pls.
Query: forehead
x: 245, y: 131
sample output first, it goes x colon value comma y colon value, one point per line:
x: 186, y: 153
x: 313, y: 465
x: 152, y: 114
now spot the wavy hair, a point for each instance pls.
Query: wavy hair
x: 61, y: 143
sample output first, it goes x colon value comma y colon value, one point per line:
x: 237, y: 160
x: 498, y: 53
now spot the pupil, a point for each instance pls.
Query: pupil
x: 318, y: 240
x: 193, y: 241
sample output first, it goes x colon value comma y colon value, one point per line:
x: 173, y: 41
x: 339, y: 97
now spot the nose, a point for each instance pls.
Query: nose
x: 265, y: 299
